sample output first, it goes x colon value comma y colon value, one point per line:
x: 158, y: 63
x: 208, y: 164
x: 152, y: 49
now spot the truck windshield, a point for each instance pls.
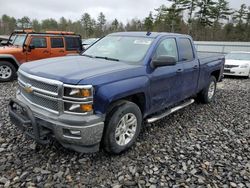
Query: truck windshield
x: 18, y: 40
x: 238, y: 56
x: 120, y: 48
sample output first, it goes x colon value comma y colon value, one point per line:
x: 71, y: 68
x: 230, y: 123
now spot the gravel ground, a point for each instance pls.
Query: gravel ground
x: 199, y: 146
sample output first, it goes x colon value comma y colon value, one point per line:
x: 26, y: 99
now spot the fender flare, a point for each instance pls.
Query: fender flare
x: 10, y: 58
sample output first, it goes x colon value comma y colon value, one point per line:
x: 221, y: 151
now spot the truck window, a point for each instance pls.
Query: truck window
x: 72, y: 43
x: 167, y: 47
x: 39, y: 42
x: 56, y: 42
x: 186, y: 50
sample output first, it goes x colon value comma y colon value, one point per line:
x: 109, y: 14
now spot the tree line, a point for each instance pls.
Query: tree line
x: 202, y: 19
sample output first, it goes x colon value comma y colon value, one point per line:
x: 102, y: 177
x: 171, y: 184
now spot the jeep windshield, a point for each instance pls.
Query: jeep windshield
x: 120, y: 48
x: 18, y: 40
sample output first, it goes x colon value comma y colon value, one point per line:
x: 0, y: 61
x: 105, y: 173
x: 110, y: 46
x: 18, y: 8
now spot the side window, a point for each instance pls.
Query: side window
x: 39, y: 42
x: 186, y: 50
x: 167, y: 47
x: 72, y: 43
x: 56, y: 42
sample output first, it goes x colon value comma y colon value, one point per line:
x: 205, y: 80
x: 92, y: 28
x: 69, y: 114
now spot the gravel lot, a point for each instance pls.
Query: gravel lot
x: 199, y: 146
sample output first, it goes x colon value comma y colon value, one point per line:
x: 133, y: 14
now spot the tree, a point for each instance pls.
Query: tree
x: 49, y: 24
x: 24, y: 22
x: 36, y: 25
x: 7, y: 24
x: 149, y: 22
x: 240, y: 14
x: 101, y: 21
x: 63, y: 24
x: 115, y: 25
x: 87, y: 24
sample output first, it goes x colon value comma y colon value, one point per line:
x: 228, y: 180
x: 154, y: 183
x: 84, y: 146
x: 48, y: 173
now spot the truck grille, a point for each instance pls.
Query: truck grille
x: 40, y: 92
x: 230, y: 66
x: 38, y: 84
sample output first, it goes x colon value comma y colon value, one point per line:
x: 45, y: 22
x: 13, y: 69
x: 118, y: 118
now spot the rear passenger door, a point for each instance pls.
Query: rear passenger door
x: 57, y: 47
x: 190, y: 66
x: 40, y: 48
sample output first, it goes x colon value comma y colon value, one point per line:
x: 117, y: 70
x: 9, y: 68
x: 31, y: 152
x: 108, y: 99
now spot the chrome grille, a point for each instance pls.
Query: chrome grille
x: 43, y: 92
x: 38, y: 84
x: 230, y: 66
x: 41, y: 101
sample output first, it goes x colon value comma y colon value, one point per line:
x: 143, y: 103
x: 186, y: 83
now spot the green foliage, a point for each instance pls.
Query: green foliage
x: 202, y: 19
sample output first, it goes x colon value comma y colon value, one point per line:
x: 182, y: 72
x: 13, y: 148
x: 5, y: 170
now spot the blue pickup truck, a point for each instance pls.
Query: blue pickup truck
x: 102, y: 97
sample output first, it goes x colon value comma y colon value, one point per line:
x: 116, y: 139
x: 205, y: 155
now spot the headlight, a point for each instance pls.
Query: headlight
x: 78, y: 99
x: 244, y: 65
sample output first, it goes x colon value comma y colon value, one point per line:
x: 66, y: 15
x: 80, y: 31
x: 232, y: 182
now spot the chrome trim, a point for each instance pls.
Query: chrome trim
x: 22, y: 84
x: 45, y: 96
x: 170, y: 111
x: 78, y: 99
x: 78, y: 102
x: 78, y: 86
x: 40, y: 79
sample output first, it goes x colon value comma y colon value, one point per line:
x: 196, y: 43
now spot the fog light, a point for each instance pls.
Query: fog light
x: 76, y: 133
x: 86, y: 107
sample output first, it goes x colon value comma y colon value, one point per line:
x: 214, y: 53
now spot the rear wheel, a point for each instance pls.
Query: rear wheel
x: 7, y: 71
x: 122, y: 127
x: 207, y: 95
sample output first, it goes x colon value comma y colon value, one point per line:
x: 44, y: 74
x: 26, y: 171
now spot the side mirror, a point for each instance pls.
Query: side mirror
x: 31, y: 47
x: 163, y: 60
x: 4, y: 43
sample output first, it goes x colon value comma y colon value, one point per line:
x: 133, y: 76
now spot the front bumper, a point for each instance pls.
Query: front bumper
x: 80, y: 133
x: 237, y: 71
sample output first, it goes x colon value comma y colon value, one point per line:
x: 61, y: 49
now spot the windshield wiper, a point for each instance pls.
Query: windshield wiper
x: 88, y: 55
x: 107, y: 58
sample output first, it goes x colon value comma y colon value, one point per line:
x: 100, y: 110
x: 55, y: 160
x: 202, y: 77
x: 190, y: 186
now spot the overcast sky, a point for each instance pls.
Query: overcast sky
x: 123, y: 10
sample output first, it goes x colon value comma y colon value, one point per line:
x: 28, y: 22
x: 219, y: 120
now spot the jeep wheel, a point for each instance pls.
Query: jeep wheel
x: 207, y: 95
x: 7, y: 71
x: 122, y: 127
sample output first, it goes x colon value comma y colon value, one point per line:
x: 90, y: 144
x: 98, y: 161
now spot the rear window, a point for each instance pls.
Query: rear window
x: 57, y: 43
x: 73, y: 43
x: 186, y: 50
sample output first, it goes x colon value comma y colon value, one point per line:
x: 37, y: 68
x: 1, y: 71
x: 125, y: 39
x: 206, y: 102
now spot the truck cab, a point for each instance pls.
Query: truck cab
x: 26, y: 45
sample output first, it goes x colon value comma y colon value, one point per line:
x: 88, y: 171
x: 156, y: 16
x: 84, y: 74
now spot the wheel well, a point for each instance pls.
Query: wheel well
x: 10, y: 60
x: 138, y: 99
x: 216, y: 74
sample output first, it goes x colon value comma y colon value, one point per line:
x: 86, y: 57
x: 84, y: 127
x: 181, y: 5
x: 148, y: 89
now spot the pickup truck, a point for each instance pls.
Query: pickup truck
x: 102, y: 98
x: 27, y: 45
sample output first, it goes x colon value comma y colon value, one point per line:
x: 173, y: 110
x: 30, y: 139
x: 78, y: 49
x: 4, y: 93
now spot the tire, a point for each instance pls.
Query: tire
x: 116, y: 135
x: 207, y: 95
x: 7, y: 71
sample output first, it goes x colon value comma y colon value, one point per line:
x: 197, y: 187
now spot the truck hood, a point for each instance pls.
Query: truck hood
x: 10, y: 49
x: 73, y: 69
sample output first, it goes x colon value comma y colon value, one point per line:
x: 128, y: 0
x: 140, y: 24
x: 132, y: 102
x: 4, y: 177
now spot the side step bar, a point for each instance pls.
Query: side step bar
x: 170, y: 111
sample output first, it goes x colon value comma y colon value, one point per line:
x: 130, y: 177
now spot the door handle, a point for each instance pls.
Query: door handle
x: 61, y: 51
x: 45, y: 51
x: 179, y: 70
x: 195, y: 67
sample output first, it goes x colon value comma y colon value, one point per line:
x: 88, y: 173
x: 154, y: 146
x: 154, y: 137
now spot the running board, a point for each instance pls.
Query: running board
x: 170, y: 111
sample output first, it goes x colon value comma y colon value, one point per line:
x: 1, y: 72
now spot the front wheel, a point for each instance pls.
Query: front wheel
x: 7, y: 71
x: 207, y: 95
x: 122, y: 127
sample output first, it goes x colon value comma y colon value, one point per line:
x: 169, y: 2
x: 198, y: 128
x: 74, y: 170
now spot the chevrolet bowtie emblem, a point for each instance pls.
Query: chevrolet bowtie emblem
x: 28, y: 88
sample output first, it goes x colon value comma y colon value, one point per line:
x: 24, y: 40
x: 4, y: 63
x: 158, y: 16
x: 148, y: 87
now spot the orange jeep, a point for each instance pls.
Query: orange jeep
x: 26, y: 45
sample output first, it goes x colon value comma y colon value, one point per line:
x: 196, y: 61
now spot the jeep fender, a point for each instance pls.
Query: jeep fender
x: 11, y: 59
x: 111, y: 92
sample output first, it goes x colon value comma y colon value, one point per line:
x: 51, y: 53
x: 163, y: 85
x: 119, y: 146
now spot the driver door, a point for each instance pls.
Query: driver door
x: 165, y: 81
x: 38, y: 48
